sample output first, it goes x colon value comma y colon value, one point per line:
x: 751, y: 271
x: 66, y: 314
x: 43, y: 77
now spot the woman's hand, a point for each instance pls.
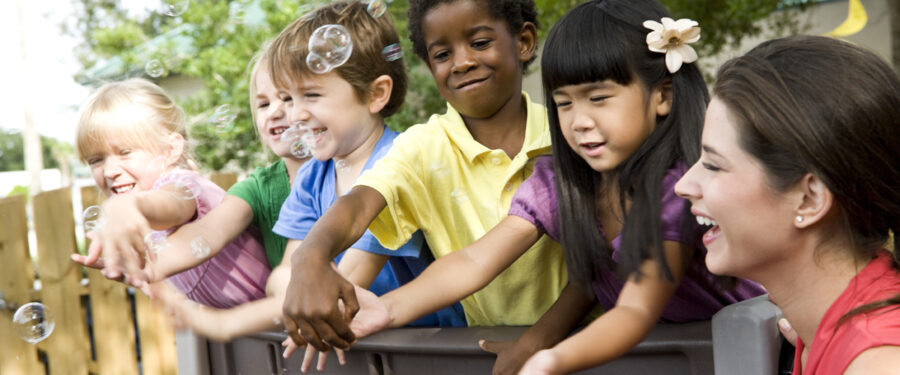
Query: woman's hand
x: 545, y: 362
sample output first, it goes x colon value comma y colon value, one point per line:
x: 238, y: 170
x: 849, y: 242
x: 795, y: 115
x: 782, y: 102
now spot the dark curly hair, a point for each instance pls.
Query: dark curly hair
x: 514, y: 12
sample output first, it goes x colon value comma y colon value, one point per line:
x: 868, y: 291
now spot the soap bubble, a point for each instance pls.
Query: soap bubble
x: 458, y: 196
x: 154, y: 68
x: 91, y: 218
x: 191, y: 188
x: 341, y: 165
x: 293, y: 137
x: 376, y: 8
x: 329, y: 47
x: 155, y: 241
x: 223, y: 118
x: 199, y: 247
x: 392, y: 52
x: 33, y: 322
x: 174, y: 8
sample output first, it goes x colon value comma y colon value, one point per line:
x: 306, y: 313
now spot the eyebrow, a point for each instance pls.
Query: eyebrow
x: 708, y: 149
x: 587, y: 87
x: 469, y: 34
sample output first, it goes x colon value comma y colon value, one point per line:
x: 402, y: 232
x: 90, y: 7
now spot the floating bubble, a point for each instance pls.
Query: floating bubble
x: 223, y: 118
x: 199, y: 247
x: 341, y: 165
x: 331, y: 43
x: 392, y: 52
x: 191, y: 188
x: 317, y: 64
x: 91, y: 218
x: 438, y: 169
x: 155, y: 241
x: 294, y: 139
x: 33, y: 322
x: 376, y: 8
x: 154, y: 68
x: 174, y: 8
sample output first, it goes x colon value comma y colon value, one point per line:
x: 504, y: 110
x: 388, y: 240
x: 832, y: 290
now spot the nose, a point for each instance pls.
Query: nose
x: 112, y: 167
x: 276, y: 110
x: 297, y: 112
x: 464, y: 61
x: 687, y: 187
x: 581, y: 120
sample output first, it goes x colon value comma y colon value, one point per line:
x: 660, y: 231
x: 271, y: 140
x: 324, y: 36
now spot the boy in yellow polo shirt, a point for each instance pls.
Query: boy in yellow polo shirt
x: 452, y: 177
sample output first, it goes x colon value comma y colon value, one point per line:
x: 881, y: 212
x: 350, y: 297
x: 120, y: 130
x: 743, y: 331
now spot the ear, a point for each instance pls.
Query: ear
x: 527, y: 42
x: 175, y: 149
x: 661, y: 98
x: 380, y: 93
x: 814, y: 201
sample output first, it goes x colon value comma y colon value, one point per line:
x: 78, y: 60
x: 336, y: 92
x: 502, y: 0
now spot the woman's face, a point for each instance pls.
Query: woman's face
x: 750, y: 224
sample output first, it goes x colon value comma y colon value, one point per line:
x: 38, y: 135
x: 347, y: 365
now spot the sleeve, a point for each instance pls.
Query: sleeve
x: 301, y: 209
x: 535, y: 200
x: 248, y: 190
x: 397, y: 177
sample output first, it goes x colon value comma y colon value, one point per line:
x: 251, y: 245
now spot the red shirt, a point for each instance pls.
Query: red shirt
x: 833, y: 349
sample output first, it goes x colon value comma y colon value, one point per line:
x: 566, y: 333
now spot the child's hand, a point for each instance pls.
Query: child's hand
x: 545, y: 362
x: 187, y: 314
x: 147, y: 273
x: 311, y: 306
x: 511, y: 355
x: 122, y: 238
x: 787, y: 331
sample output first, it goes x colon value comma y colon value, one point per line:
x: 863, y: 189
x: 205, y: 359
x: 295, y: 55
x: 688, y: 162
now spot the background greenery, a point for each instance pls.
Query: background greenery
x: 215, y: 40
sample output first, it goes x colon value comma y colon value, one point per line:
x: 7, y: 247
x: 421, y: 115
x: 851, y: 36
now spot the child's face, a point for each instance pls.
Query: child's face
x: 271, y: 118
x: 752, y: 223
x: 475, y: 60
x: 605, y: 122
x: 327, y: 104
x: 123, y: 169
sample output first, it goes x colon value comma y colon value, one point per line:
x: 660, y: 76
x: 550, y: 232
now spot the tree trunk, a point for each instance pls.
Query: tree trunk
x: 31, y: 142
x: 894, y: 19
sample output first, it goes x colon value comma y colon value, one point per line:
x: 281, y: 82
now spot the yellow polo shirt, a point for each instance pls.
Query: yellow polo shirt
x: 437, y: 178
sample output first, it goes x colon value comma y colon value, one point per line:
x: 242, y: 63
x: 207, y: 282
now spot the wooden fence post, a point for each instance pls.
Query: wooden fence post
x: 16, y: 270
x: 223, y: 179
x: 113, y: 325
x: 68, y: 348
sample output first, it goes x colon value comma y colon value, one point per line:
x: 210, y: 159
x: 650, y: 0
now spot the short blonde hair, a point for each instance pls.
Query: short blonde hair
x: 135, y: 112
x: 257, y: 62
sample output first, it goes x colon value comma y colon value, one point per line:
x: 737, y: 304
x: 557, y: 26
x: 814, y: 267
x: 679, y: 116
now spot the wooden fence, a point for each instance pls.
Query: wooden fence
x: 94, y: 325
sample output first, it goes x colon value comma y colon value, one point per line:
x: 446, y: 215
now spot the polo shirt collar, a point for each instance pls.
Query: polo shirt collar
x: 537, y: 134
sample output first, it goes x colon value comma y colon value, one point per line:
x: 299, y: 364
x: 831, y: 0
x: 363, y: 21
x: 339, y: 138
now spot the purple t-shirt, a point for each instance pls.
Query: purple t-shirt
x: 697, y: 297
x: 235, y: 275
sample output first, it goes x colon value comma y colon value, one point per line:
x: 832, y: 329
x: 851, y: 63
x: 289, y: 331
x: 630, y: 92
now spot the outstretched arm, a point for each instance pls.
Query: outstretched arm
x: 316, y: 288
x: 455, y: 276
x: 640, y: 304
x: 128, y: 218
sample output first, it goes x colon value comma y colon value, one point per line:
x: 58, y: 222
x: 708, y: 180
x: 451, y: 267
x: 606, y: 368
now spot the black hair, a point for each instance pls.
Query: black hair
x: 513, y: 12
x: 605, y: 40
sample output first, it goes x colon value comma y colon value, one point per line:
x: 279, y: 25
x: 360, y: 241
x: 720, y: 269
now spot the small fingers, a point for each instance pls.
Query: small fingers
x: 323, y: 358
x: 307, y: 358
x: 292, y: 331
x: 342, y: 358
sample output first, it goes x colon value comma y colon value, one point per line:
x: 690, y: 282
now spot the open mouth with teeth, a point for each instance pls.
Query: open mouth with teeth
x: 277, y: 130
x: 122, y: 189
x: 712, y: 233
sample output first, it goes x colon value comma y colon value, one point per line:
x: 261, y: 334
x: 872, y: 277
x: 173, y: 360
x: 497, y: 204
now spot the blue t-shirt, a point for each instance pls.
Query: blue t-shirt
x: 314, y: 191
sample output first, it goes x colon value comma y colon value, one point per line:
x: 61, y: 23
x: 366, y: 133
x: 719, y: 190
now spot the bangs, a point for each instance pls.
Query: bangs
x: 123, y: 127
x: 571, y: 59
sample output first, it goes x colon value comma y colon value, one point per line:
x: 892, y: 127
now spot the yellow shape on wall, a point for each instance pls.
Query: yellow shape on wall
x: 856, y: 21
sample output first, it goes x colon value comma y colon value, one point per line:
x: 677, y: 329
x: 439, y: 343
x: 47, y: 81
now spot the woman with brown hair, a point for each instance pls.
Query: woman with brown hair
x: 799, y: 178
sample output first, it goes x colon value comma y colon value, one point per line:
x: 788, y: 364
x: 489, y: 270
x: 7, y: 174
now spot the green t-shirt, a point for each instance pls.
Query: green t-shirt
x: 265, y: 191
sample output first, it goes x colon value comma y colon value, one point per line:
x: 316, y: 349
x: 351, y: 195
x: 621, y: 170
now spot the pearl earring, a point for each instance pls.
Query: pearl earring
x: 799, y: 219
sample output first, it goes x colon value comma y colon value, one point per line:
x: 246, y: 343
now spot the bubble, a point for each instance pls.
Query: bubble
x: 438, y: 169
x: 154, y: 68
x: 199, y: 247
x: 223, y: 118
x: 341, y: 165
x: 174, y: 8
x: 392, y: 52
x: 91, y: 218
x: 191, y: 188
x: 376, y: 8
x: 155, y: 241
x: 33, y: 322
x: 331, y: 44
x: 294, y: 139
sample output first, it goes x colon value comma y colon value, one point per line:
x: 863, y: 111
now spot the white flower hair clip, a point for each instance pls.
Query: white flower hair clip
x: 672, y: 37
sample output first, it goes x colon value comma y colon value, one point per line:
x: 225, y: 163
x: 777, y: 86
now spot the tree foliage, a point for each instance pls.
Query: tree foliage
x: 12, y: 151
x: 214, y: 40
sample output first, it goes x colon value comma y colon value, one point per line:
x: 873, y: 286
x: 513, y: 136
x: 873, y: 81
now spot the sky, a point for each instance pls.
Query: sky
x: 45, y: 79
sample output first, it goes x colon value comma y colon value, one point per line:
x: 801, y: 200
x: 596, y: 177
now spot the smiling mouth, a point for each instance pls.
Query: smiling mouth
x: 122, y: 189
x: 470, y: 83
